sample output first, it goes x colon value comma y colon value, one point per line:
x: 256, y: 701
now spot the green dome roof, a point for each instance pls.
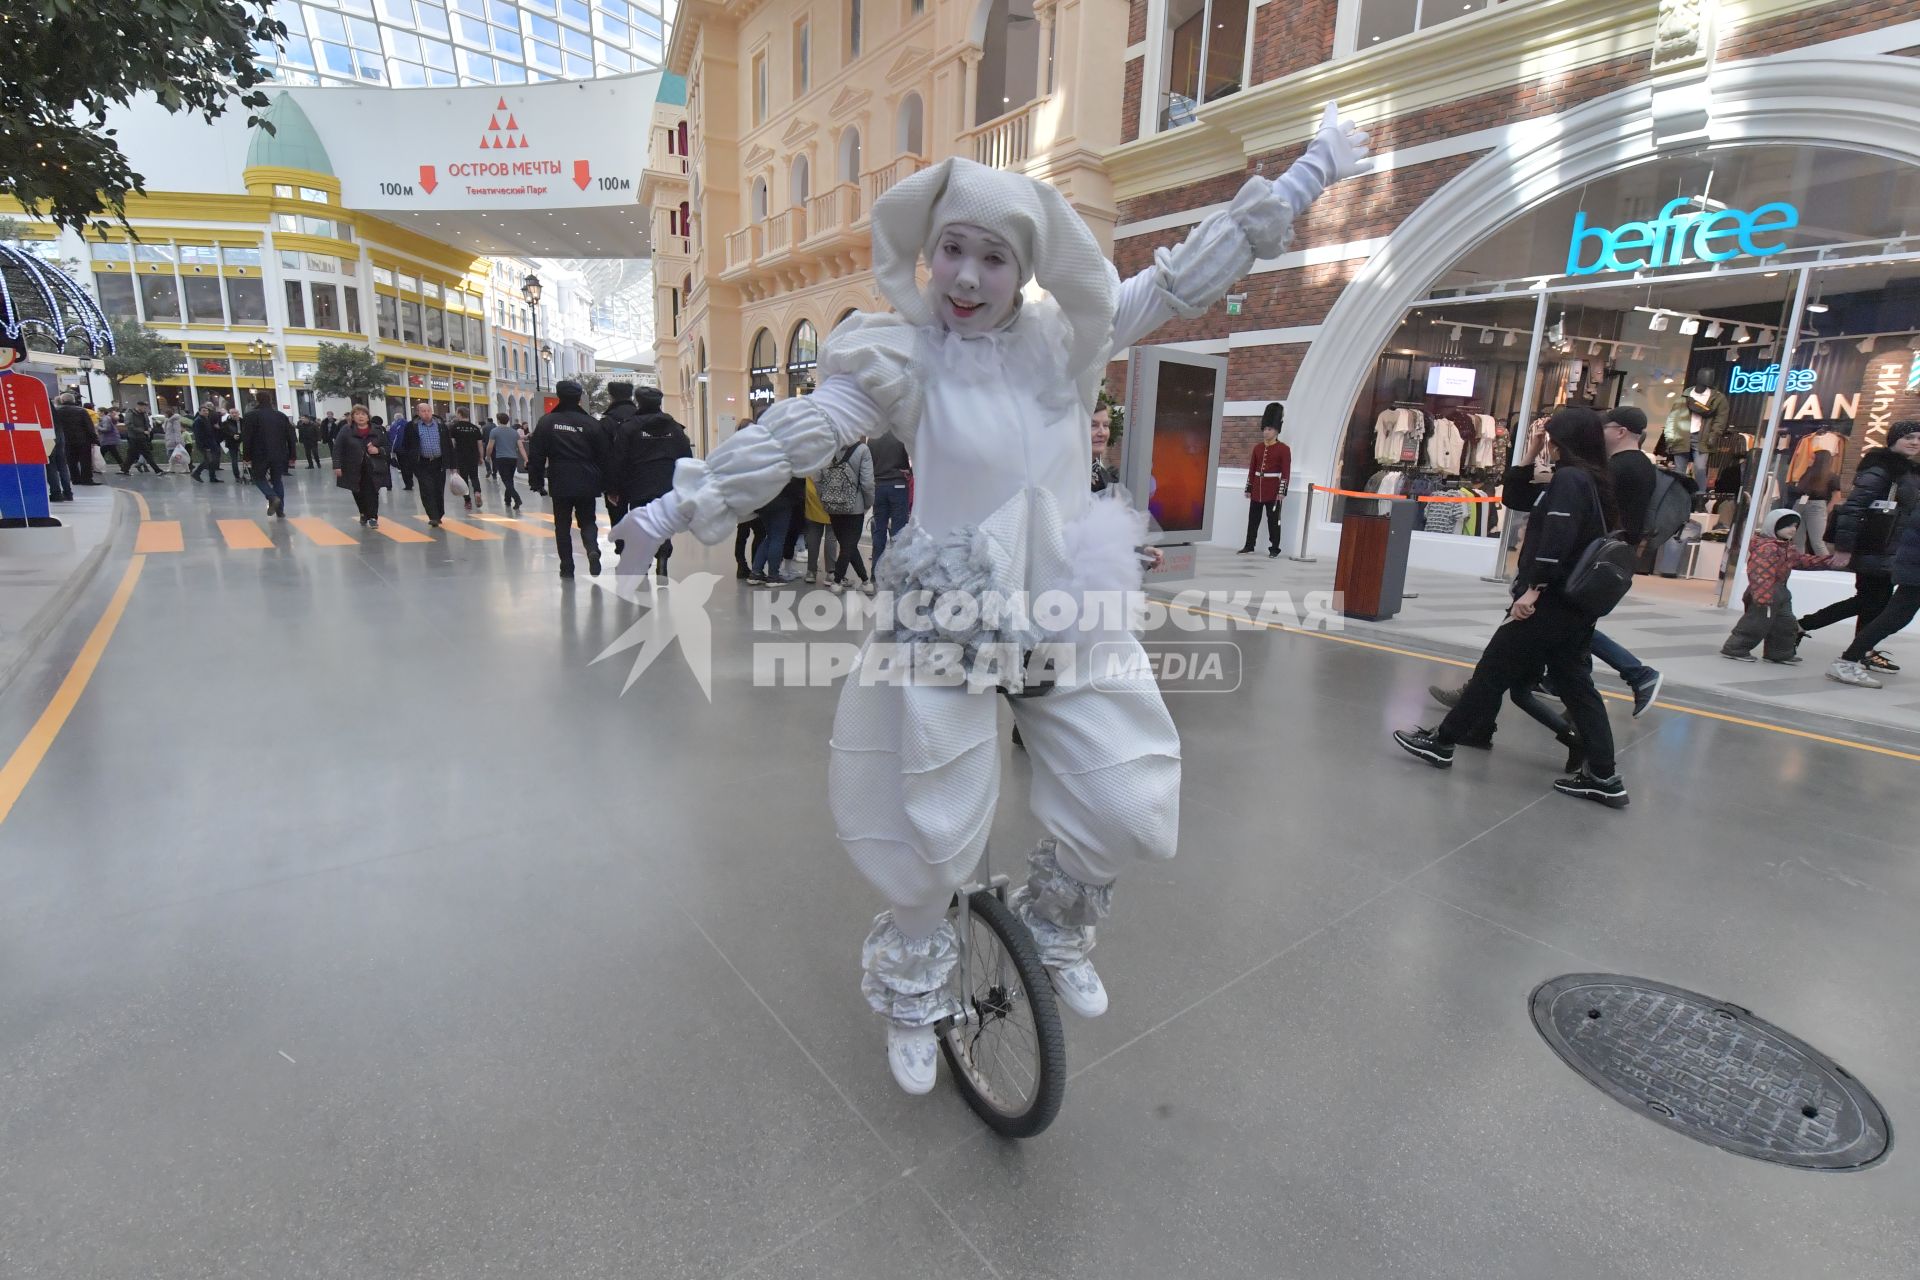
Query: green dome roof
x: 292, y: 145
x: 673, y: 90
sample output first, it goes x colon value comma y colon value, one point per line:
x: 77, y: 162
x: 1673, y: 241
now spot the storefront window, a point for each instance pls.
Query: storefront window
x: 409, y: 321
x: 803, y: 354
x: 326, y: 306
x: 296, y: 305
x: 765, y: 365
x: 160, y: 297
x: 246, y: 301
x: 387, y: 315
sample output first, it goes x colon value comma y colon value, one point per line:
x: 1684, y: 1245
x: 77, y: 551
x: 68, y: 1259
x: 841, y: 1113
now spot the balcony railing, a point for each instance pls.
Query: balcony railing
x: 743, y: 246
x: 1006, y: 142
x: 833, y: 211
x: 880, y: 181
x: 785, y: 230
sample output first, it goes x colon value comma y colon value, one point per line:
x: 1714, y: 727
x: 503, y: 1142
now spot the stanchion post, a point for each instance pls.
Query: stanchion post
x: 1306, y: 530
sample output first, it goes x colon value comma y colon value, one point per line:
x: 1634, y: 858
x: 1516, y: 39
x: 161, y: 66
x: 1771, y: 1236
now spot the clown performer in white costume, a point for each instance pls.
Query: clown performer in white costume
x: 991, y: 389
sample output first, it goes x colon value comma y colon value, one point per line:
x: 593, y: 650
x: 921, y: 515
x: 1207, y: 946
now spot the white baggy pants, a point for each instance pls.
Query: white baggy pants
x: 915, y: 778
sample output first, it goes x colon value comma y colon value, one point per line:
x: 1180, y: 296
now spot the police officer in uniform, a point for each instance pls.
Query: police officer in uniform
x: 572, y: 448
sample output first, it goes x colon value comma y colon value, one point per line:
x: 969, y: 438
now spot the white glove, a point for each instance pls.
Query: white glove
x: 644, y: 529
x: 1338, y: 150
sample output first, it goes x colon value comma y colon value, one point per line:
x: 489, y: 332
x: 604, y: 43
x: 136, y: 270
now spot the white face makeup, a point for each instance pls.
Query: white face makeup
x: 975, y: 279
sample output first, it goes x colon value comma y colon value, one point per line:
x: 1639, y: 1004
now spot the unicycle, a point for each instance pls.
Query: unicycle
x: 1005, y: 1050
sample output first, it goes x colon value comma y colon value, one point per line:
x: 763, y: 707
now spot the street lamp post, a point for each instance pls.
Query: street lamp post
x: 86, y: 379
x: 530, y: 290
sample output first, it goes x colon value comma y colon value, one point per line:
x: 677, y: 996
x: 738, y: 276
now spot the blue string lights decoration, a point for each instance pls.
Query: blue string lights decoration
x: 38, y: 296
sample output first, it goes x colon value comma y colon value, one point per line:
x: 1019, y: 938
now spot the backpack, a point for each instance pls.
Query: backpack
x: 1602, y: 576
x: 839, y: 485
x: 1668, y: 510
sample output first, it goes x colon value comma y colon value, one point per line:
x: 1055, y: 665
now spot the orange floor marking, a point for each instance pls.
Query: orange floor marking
x: 158, y: 535
x: 244, y: 535
x: 322, y: 533
x: 392, y: 528
x: 462, y: 529
x: 527, y: 527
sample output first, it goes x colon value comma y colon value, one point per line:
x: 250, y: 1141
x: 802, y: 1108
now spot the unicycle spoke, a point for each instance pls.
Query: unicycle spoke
x: 1009, y: 1055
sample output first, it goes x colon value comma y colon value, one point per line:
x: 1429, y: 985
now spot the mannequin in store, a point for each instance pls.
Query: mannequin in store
x: 1268, y: 471
x: 1699, y: 421
x: 991, y: 389
x: 1813, y: 483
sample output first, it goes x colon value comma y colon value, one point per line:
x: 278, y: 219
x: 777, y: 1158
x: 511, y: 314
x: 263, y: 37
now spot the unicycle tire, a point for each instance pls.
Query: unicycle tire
x: 1010, y: 1059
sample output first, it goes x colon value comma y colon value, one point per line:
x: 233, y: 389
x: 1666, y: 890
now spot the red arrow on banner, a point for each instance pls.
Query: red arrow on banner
x: 581, y: 175
x: 427, y: 179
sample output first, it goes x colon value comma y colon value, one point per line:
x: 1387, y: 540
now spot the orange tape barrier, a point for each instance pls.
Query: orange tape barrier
x: 1370, y: 496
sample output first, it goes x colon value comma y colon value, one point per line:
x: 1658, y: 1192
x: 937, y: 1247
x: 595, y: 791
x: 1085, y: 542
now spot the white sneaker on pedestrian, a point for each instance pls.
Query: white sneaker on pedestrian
x: 914, y: 1057
x: 1079, y: 988
x: 1852, y: 673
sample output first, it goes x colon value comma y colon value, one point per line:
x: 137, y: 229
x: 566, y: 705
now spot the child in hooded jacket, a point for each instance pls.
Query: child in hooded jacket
x: 1771, y: 559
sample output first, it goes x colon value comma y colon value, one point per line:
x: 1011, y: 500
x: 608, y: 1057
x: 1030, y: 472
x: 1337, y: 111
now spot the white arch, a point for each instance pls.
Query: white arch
x: 911, y: 131
x: 849, y: 152
x: 1869, y: 104
x: 799, y: 181
x: 759, y: 200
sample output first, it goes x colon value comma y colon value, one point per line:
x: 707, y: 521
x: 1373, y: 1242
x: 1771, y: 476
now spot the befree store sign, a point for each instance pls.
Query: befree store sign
x: 1684, y: 232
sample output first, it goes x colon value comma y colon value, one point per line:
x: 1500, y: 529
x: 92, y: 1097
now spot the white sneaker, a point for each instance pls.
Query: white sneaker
x: 1852, y: 673
x: 1080, y: 988
x: 914, y: 1056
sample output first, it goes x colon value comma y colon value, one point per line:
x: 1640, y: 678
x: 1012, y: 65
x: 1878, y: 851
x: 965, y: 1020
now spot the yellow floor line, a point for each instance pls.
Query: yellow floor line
x: 527, y: 527
x: 244, y: 535
x: 158, y: 536
x: 140, y: 501
x: 391, y: 527
x: 321, y: 533
x: 26, y: 757
x: 1721, y: 716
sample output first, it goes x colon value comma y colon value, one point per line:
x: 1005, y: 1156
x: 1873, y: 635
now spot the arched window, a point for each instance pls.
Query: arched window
x: 682, y: 132
x: 764, y: 364
x: 803, y: 353
x: 850, y: 311
x: 849, y: 155
x: 797, y: 180
x: 759, y: 202
x: 686, y: 220
x: 911, y: 119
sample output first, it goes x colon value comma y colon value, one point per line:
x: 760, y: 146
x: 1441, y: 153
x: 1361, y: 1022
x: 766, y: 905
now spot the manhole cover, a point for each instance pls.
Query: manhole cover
x: 1712, y: 1071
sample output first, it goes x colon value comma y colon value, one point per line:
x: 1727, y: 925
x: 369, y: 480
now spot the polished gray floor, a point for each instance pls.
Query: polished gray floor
x: 356, y: 926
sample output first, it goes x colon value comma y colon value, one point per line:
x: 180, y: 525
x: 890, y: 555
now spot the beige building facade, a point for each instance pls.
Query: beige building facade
x: 797, y: 116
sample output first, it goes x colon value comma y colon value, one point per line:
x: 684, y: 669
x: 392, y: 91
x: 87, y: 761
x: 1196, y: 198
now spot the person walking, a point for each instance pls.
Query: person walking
x: 1904, y: 573
x: 469, y: 440
x: 1567, y: 514
x: 268, y: 443
x: 506, y: 453
x: 174, y: 435
x: 206, y: 442
x: 536, y: 467
x: 309, y: 432
x: 396, y: 435
x: 111, y: 441
x: 362, y: 463
x: 139, y: 440
x: 1632, y: 473
x: 1269, y: 471
x: 230, y: 437
x: 846, y: 491
x: 570, y: 447
x: 892, y: 491
x: 59, y: 476
x: 75, y: 426
x: 779, y: 515
x: 1886, y: 487
x: 425, y: 447
x: 645, y: 445
x: 1772, y: 556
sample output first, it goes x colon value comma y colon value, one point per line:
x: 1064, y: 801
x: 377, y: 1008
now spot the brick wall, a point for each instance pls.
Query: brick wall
x: 1292, y: 35
x: 1136, y: 21
x: 1814, y: 26
x: 1130, y: 99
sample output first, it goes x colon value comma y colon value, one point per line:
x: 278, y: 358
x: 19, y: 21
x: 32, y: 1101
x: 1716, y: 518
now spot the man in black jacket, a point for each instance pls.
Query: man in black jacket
x: 572, y: 447
x: 425, y: 448
x: 644, y: 444
x: 1632, y: 474
x: 206, y: 440
x: 267, y: 442
x: 76, y: 431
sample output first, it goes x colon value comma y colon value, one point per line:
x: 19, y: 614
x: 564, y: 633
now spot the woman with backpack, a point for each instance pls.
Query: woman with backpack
x: 1864, y: 528
x: 846, y: 491
x: 1568, y: 513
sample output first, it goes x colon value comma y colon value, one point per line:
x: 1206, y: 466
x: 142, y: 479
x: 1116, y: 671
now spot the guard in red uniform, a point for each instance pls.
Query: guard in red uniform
x: 23, y: 452
x: 1267, y: 475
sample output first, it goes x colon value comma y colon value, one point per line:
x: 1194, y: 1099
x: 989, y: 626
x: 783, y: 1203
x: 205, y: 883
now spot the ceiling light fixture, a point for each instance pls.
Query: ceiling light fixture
x: 1741, y: 335
x: 1486, y: 336
x: 1511, y: 336
x: 1593, y: 348
x: 1455, y: 335
x: 1866, y: 345
x: 1659, y: 322
x: 1715, y: 329
x: 1690, y: 326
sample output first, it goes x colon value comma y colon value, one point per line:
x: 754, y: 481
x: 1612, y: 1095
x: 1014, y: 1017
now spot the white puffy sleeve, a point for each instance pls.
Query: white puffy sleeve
x: 866, y: 386
x: 1196, y: 273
